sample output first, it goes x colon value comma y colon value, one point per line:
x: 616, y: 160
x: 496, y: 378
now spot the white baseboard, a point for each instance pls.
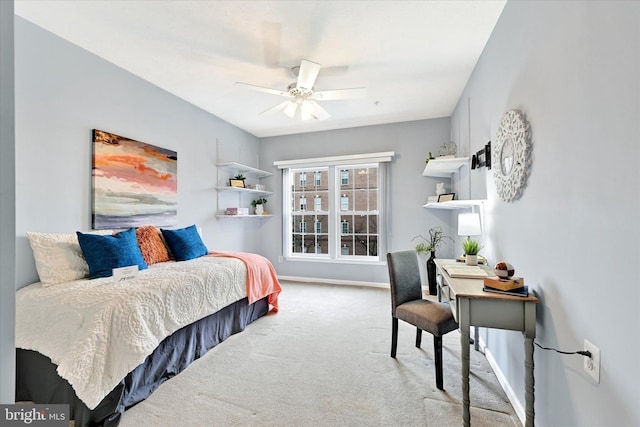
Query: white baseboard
x: 511, y: 395
x: 334, y: 281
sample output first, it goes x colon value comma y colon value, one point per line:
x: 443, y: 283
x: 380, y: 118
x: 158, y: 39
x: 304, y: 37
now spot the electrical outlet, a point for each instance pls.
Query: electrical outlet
x: 592, y: 364
x: 280, y: 259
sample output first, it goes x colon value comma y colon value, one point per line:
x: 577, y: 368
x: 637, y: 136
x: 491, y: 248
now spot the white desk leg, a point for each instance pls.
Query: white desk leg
x: 476, y: 338
x: 529, y: 379
x: 463, y: 322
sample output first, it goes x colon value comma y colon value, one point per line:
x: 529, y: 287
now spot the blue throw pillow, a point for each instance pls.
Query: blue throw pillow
x: 185, y: 243
x: 104, y: 253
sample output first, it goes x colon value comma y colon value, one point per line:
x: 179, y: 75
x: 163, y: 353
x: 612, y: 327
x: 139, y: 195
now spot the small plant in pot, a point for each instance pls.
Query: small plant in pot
x: 471, y: 248
x: 239, y: 176
x: 259, y: 205
x: 432, y: 243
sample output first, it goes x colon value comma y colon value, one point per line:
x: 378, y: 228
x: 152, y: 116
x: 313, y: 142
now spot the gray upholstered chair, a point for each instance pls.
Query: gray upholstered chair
x: 408, y: 305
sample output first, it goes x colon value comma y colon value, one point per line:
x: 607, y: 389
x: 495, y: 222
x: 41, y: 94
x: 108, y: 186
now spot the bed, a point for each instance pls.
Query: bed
x: 102, y: 345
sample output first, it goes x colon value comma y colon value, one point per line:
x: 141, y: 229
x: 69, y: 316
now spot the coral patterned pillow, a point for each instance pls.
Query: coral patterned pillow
x: 151, y: 245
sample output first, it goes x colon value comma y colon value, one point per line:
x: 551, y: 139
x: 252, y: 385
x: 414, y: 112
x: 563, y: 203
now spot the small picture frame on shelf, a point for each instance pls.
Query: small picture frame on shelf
x: 446, y: 197
x: 236, y: 183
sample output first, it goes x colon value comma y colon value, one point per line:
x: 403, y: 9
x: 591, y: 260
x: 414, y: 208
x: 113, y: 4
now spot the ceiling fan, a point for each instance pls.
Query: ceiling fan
x: 302, y: 93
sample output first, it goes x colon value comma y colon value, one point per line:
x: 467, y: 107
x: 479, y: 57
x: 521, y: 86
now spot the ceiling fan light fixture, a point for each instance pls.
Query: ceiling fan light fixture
x: 306, y: 110
x: 290, y: 109
x: 303, y: 92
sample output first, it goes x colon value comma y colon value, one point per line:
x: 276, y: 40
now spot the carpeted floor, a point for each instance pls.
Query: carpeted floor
x: 323, y: 360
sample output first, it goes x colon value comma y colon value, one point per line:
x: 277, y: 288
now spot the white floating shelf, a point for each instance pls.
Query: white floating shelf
x: 443, y: 168
x: 454, y: 204
x: 244, y: 190
x: 243, y: 216
x: 240, y: 168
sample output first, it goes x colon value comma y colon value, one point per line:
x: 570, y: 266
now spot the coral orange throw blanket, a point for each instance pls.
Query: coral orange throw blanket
x: 261, y: 276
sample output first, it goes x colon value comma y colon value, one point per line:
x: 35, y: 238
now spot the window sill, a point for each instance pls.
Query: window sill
x: 335, y: 260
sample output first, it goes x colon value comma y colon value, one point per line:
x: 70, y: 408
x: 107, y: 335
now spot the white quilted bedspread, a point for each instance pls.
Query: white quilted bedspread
x: 97, y: 331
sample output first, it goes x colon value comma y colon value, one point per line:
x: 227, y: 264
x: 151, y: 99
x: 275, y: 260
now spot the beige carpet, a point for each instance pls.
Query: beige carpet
x: 323, y: 360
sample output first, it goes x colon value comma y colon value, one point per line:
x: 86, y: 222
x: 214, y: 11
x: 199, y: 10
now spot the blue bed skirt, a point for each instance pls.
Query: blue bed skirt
x: 37, y: 380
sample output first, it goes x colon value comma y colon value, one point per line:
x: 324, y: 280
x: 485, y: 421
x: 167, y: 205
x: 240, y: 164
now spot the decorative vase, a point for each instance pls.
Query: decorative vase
x: 259, y: 209
x: 472, y: 259
x: 431, y: 274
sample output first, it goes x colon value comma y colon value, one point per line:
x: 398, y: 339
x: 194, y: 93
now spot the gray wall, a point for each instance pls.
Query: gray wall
x: 573, y: 68
x: 411, y: 141
x: 62, y: 92
x: 7, y: 206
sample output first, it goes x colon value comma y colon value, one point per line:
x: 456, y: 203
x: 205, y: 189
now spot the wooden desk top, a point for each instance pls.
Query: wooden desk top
x: 472, y: 288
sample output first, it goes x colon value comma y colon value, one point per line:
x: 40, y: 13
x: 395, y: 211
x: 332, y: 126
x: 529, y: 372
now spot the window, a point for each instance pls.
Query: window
x: 346, y: 223
x: 344, y: 203
x: 344, y: 177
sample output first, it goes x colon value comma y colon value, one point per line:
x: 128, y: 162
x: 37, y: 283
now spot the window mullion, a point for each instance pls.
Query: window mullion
x: 334, y: 242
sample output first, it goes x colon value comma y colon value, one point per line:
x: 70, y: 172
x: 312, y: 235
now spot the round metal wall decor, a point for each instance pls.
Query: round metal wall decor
x: 511, y: 155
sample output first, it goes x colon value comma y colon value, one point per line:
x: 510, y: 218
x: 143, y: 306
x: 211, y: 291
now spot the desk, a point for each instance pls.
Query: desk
x: 472, y: 306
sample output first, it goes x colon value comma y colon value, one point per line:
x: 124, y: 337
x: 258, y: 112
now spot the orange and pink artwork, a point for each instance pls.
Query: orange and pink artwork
x: 134, y: 183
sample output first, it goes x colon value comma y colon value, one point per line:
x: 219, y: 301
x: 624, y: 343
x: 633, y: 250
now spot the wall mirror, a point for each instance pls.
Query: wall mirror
x: 511, y: 155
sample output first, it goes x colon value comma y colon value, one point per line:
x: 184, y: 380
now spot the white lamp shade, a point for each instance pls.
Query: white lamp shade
x: 469, y: 224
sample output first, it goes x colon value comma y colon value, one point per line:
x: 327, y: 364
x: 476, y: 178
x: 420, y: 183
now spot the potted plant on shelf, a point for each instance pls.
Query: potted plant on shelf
x: 433, y: 242
x: 259, y: 205
x: 471, y: 248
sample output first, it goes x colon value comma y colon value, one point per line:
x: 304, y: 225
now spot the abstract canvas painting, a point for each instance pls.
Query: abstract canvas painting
x: 134, y: 183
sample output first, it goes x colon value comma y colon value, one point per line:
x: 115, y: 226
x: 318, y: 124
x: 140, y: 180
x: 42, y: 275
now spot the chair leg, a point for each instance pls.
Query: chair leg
x: 418, y: 337
x: 394, y: 336
x: 437, y: 350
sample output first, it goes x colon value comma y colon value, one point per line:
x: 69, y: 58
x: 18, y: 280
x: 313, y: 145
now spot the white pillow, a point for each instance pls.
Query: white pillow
x: 58, y: 257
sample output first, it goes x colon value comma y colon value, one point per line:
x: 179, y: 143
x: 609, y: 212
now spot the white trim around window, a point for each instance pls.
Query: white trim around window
x: 328, y: 244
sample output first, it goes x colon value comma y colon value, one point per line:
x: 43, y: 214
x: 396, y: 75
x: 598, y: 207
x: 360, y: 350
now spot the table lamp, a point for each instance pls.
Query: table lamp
x: 469, y: 224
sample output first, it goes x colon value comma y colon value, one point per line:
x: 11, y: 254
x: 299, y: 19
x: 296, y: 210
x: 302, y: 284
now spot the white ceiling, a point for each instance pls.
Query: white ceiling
x: 414, y: 57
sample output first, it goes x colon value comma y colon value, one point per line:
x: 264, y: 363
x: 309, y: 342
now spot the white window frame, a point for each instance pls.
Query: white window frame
x: 336, y: 165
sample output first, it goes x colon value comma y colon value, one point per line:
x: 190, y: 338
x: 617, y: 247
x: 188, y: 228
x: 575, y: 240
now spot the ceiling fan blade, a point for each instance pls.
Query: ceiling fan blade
x: 352, y: 93
x: 335, y: 70
x: 262, y: 89
x: 278, y: 107
x: 307, y: 74
x: 319, y: 112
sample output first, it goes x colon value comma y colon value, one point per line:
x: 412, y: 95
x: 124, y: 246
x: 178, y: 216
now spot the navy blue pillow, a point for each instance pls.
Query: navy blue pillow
x: 185, y: 243
x: 104, y: 253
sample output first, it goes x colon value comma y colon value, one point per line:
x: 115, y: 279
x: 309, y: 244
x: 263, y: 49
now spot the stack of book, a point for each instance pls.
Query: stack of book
x: 512, y: 286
